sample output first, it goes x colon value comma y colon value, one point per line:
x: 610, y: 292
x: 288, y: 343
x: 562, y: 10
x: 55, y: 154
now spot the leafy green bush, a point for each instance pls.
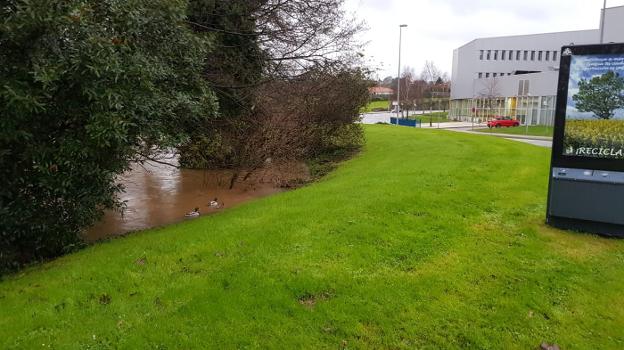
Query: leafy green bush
x: 86, y: 87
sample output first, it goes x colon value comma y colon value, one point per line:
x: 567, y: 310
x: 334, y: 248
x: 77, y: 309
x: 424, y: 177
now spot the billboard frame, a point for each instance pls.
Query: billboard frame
x: 577, y: 201
x: 558, y: 158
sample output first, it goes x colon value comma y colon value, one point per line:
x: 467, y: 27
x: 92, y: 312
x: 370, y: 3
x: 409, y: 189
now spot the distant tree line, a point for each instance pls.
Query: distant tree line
x: 89, y: 87
x: 429, y: 90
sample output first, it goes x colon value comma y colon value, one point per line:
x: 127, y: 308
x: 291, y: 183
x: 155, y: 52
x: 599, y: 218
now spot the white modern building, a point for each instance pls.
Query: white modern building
x: 518, y: 75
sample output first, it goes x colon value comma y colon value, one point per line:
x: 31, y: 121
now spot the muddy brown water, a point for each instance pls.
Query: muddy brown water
x: 158, y: 195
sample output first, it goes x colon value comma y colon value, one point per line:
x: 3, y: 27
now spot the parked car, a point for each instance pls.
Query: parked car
x: 503, y: 121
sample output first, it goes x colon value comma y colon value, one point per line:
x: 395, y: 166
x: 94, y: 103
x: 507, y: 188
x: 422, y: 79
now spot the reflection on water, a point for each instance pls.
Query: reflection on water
x: 158, y: 194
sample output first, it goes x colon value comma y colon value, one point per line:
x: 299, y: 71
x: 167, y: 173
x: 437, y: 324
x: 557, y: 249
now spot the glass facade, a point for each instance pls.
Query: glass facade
x: 534, y: 110
x: 531, y: 110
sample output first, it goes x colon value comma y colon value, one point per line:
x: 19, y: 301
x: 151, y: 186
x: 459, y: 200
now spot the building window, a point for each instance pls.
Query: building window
x: 495, y: 55
x: 481, y: 55
x: 532, y: 55
x: 526, y: 55
x: 487, y: 75
x: 508, y: 74
x: 555, y: 55
x: 503, y: 55
x: 523, y: 88
x: 489, y: 55
x: 480, y: 75
x: 493, y: 75
x: 518, y: 55
x: 540, y: 55
x: 511, y: 55
x: 547, y: 56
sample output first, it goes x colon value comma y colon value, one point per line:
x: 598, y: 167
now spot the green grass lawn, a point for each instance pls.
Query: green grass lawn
x: 375, y: 105
x: 441, y: 248
x: 537, y: 130
x: 435, y: 117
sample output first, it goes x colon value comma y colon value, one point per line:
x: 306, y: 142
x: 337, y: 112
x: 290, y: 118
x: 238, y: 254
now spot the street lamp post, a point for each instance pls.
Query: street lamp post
x: 399, y: 76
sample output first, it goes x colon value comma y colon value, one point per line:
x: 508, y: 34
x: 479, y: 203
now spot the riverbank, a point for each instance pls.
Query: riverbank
x: 157, y: 195
x: 427, y: 249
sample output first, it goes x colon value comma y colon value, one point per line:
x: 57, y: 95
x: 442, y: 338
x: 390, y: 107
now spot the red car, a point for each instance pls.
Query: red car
x: 503, y: 121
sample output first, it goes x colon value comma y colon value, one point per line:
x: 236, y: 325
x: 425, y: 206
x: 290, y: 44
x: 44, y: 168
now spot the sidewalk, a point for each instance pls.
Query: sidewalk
x: 541, y: 141
x: 448, y: 125
x: 509, y: 136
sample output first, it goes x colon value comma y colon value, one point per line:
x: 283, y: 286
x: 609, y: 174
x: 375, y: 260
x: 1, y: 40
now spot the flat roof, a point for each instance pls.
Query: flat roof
x: 548, y: 33
x: 526, y: 35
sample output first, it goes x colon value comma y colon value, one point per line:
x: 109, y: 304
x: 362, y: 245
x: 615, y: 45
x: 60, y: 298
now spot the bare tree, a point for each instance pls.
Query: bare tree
x: 271, y: 48
x: 407, y: 78
x: 261, y: 41
x: 490, y: 92
x: 445, y: 77
x: 298, y: 35
x: 430, y: 74
x: 418, y: 93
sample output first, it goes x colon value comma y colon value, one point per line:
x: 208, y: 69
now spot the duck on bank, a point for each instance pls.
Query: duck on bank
x: 193, y: 214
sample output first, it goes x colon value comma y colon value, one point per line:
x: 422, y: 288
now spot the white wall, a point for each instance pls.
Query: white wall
x: 614, y: 25
x: 540, y: 84
x: 467, y: 63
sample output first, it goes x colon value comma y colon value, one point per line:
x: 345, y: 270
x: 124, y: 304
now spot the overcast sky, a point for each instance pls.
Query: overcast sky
x: 436, y: 27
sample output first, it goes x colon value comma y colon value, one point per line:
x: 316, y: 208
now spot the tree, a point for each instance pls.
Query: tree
x: 264, y: 43
x: 87, y: 88
x: 601, y: 95
x: 388, y: 82
x: 282, y: 38
x: 407, y: 80
x: 418, y: 92
x: 299, y: 36
x: 236, y: 65
x: 490, y: 92
x: 430, y: 74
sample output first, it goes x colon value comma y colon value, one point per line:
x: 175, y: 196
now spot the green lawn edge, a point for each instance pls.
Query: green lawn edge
x: 536, y: 130
x: 427, y: 239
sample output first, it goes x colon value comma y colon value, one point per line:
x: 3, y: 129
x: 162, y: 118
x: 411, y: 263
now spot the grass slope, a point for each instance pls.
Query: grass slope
x: 373, y: 105
x: 435, y: 117
x: 438, y: 249
x: 537, y: 130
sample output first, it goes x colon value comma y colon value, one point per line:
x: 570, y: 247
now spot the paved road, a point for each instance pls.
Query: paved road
x: 374, y: 118
x: 382, y: 117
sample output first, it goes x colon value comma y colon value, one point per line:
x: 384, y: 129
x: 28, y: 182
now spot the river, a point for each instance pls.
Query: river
x: 157, y: 195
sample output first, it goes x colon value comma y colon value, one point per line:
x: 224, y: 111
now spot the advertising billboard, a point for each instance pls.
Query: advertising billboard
x: 589, y: 130
x: 594, y: 125
x: 586, y: 188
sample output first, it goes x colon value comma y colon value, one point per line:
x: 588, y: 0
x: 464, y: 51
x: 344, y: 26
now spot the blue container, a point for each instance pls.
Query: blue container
x: 404, y: 122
